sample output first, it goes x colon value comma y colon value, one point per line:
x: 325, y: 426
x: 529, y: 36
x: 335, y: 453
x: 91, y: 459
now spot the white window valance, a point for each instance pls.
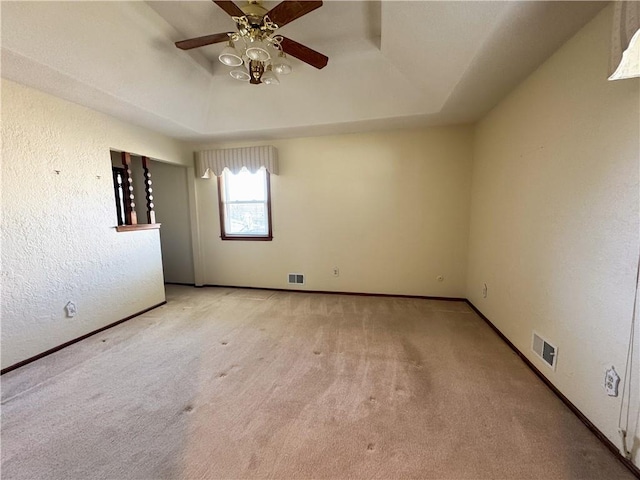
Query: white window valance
x: 253, y: 158
x: 625, y: 41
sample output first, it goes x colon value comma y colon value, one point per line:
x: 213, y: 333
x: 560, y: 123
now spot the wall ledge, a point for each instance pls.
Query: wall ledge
x: 139, y: 226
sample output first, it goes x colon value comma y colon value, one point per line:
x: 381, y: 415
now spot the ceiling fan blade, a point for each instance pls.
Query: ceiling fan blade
x: 202, y: 41
x: 307, y: 55
x: 231, y: 8
x: 289, y: 10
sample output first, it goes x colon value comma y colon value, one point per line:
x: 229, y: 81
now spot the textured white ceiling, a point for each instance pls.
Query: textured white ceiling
x: 391, y: 64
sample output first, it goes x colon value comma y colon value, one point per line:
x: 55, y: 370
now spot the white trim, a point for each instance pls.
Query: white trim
x: 196, y: 243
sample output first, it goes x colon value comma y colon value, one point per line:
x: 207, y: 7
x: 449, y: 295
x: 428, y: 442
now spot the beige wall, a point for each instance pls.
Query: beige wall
x: 390, y: 210
x: 554, y: 219
x: 171, y: 201
x: 58, y: 237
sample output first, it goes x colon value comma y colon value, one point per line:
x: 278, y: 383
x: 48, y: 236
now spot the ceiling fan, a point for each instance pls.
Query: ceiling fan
x: 257, y: 52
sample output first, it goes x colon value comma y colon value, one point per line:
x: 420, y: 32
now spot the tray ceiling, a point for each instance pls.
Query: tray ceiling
x: 391, y: 64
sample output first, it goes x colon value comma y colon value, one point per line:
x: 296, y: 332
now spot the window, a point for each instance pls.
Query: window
x: 122, y: 168
x: 245, y: 205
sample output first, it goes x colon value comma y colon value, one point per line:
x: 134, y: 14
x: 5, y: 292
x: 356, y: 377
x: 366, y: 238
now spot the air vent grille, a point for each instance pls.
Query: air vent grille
x: 547, y: 352
x: 296, y: 279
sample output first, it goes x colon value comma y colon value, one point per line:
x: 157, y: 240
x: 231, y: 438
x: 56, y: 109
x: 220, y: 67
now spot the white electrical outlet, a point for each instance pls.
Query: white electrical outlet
x: 71, y: 309
x: 336, y: 272
x: 611, y: 381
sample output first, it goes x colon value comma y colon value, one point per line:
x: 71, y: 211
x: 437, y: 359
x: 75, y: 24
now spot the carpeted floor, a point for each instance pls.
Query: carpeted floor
x: 226, y: 383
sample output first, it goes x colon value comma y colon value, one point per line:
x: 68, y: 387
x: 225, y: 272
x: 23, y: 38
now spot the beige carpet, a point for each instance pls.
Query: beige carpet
x: 224, y: 383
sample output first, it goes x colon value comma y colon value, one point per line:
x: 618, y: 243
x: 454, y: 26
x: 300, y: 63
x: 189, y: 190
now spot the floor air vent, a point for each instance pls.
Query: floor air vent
x: 547, y: 352
x: 296, y: 278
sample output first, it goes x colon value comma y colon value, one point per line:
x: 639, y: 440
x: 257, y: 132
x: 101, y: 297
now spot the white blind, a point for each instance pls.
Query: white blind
x: 253, y: 158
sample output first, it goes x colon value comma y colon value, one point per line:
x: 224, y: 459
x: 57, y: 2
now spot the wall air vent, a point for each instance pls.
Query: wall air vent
x: 296, y: 279
x: 548, y: 353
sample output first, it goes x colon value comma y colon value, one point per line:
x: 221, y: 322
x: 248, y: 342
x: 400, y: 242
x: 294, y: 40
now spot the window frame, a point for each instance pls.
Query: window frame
x: 129, y: 223
x: 221, y: 209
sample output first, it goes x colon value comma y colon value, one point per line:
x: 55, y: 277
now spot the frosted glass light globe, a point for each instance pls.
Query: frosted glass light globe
x: 240, y: 74
x: 258, y: 51
x: 230, y: 57
x: 282, y: 66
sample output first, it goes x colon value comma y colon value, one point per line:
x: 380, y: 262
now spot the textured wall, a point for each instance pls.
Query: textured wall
x: 390, y: 210
x: 555, y: 218
x: 58, y: 236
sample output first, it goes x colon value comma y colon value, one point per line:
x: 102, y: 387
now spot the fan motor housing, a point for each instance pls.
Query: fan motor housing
x: 254, y: 12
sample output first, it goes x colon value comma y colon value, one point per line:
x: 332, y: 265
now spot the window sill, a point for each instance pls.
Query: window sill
x: 247, y: 238
x: 139, y: 226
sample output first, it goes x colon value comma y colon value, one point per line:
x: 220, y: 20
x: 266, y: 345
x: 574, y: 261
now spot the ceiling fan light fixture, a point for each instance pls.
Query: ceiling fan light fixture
x: 240, y: 74
x: 230, y: 56
x: 261, y: 50
x: 281, y: 64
